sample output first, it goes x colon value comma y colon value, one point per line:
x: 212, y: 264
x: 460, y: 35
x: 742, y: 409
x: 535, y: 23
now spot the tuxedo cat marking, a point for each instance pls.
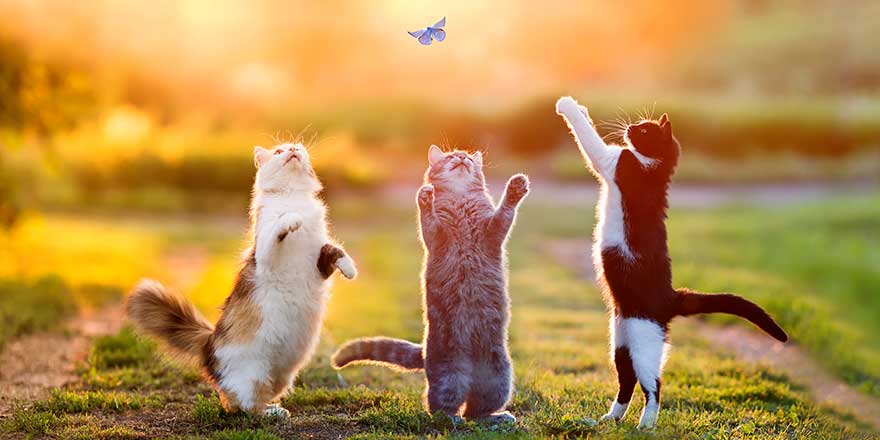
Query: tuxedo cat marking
x: 271, y: 321
x: 631, y: 257
x: 466, y: 307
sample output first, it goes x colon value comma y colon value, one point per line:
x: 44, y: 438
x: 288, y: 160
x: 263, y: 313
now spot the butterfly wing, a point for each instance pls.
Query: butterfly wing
x: 426, y: 38
x: 440, y: 23
x: 439, y: 34
x: 418, y: 33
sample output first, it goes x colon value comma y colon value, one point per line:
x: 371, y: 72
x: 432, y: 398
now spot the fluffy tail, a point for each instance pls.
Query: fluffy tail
x: 169, y: 318
x: 392, y: 353
x: 691, y: 303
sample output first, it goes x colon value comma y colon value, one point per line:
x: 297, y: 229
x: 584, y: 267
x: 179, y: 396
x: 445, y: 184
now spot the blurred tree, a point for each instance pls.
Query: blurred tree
x: 40, y: 96
x: 10, y: 202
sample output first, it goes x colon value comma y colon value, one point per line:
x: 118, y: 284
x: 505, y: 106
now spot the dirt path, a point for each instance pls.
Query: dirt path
x: 35, y: 364
x: 749, y: 346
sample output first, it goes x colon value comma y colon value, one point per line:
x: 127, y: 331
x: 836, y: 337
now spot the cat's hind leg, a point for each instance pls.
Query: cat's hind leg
x: 646, y: 340
x: 626, y: 382
x: 448, y: 384
x: 491, y: 390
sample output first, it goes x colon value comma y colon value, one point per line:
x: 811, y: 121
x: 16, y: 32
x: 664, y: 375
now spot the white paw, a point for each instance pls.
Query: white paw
x: 648, y: 421
x: 501, y: 418
x: 346, y: 266
x: 290, y: 222
x: 276, y: 410
x: 567, y: 106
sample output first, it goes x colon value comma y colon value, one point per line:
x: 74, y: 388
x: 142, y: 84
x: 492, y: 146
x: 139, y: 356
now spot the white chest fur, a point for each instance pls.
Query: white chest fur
x: 290, y: 291
x: 610, y: 226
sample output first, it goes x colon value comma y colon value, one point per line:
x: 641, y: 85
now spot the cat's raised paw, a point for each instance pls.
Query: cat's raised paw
x: 346, y: 265
x: 426, y: 195
x: 517, y: 187
x: 290, y: 222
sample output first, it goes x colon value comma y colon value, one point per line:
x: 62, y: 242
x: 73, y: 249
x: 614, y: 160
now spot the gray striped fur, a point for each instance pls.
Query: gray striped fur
x: 465, y: 303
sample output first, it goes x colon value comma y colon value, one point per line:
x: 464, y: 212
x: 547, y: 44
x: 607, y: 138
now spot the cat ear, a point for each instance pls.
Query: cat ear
x: 665, y: 125
x: 478, y: 159
x: 435, y: 154
x: 261, y: 155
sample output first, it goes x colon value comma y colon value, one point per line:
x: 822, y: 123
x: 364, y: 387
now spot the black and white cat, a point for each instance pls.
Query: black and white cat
x: 631, y: 257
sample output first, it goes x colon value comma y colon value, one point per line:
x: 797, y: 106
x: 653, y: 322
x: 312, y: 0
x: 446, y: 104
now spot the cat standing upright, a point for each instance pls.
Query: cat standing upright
x: 465, y: 303
x: 271, y: 321
x: 631, y: 257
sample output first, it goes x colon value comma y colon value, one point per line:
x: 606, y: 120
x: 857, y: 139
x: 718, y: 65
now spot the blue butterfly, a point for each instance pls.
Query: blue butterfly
x: 430, y: 33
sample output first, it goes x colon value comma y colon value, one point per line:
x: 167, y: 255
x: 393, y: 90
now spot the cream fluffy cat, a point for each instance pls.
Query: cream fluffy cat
x: 271, y: 321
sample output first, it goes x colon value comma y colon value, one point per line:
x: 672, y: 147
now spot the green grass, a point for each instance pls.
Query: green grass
x: 26, y: 307
x: 812, y: 266
x: 816, y: 269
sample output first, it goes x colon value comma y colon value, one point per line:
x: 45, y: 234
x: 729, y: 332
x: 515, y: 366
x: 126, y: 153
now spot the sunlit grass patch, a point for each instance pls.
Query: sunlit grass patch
x: 209, y: 415
x: 26, y: 307
x: 32, y: 421
x: 351, y: 400
x: 235, y: 434
x: 84, y: 431
x: 84, y: 401
x: 125, y: 361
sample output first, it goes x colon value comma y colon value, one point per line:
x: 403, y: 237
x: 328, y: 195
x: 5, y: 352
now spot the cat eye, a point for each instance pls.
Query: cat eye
x: 277, y: 152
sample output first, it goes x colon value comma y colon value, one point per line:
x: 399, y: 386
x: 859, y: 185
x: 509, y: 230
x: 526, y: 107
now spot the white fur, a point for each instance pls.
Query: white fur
x: 289, y: 291
x: 617, y: 411
x: 646, y: 341
x: 610, y: 228
x: 346, y: 266
x: 601, y: 158
x: 646, y: 161
x: 276, y: 410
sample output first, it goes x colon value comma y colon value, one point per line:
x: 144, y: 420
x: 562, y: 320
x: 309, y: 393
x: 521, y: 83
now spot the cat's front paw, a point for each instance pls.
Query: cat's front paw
x: 517, y: 188
x: 567, y: 106
x: 346, y: 265
x: 426, y: 195
x: 288, y: 223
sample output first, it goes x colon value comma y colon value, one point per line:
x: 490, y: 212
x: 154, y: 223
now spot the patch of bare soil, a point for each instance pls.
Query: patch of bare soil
x: 750, y: 346
x: 34, y: 364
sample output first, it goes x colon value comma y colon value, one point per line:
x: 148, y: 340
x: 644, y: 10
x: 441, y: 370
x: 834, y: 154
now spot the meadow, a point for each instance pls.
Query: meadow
x: 811, y: 265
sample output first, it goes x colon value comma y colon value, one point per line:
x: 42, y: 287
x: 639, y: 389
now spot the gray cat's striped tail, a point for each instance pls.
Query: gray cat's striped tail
x: 396, y: 354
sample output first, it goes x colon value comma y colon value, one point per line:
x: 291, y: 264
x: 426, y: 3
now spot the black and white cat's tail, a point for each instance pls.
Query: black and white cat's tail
x: 692, y: 303
x: 396, y: 354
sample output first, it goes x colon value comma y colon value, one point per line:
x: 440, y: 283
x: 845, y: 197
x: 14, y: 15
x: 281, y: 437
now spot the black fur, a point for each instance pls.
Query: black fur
x: 633, y: 263
x: 626, y: 375
x: 641, y: 287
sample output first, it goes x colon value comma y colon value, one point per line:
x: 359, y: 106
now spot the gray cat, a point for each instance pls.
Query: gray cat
x: 466, y: 307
